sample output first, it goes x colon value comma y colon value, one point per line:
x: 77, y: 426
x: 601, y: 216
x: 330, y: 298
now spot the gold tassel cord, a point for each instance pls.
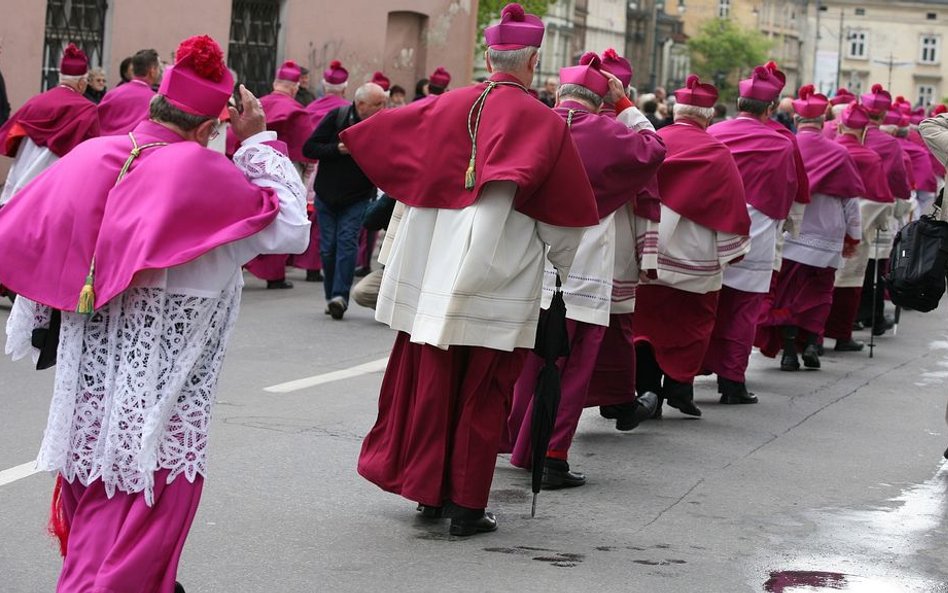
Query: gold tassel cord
x: 86, y: 304
x: 474, y: 124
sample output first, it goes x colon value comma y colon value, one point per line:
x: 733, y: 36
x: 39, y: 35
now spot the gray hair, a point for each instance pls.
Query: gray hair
x: 72, y: 80
x: 817, y: 121
x: 838, y: 109
x: 363, y: 93
x: 335, y: 88
x: 753, y: 106
x: 160, y: 109
x: 511, y: 60
x: 693, y: 112
x: 580, y: 92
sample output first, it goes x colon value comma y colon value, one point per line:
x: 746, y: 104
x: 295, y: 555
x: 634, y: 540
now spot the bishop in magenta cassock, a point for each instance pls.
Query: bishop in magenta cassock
x: 292, y: 125
x: 126, y: 105
x: 140, y: 270
x: 49, y: 125
x: 335, y: 81
x: 875, y: 209
x: 497, y: 188
x: 838, y: 104
x: 766, y: 161
x: 830, y: 230
x: 620, y: 155
x: 697, y: 239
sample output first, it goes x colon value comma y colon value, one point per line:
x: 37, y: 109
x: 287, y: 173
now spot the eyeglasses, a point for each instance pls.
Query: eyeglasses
x: 216, y: 131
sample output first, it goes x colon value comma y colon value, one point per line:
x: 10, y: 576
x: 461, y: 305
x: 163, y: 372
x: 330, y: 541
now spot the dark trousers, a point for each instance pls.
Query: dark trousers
x: 338, y: 245
x: 865, y: 303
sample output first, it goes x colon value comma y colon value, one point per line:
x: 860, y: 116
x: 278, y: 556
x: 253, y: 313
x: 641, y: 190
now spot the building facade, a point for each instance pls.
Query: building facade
x: 900, y: 44
x: 407, y: 39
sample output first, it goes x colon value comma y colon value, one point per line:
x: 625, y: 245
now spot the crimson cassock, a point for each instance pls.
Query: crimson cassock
x: 58, y: 119
x: 678, y: 323
x: 124, y: 107
x: 290, y: 121
x: 893, y: 162
x: 803, y: 187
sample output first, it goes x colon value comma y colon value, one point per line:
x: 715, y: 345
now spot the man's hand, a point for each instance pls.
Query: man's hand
x: 343, y: 149
x: 849, y: 249
x: 252, y: 121
x: 616, y: 91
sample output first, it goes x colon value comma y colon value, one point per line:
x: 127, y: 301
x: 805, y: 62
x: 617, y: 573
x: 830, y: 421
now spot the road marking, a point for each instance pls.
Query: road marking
x: 8, y: 476
x: 376, y: 366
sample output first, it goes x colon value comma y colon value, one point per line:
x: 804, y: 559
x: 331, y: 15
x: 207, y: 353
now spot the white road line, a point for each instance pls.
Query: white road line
x: 376, y: 366
x: 8, y: 476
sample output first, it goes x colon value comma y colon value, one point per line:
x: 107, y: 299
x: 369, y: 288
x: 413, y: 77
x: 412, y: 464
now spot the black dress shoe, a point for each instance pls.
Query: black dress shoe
x: 820, y: 349
x: 363, y: 271
x: 556, y: 475
x: 430, y: 512
x: 859, y: 326
x: 612, y: 412
x: 279, y: 284
x: 879, y: 329
x: 464, y: 526
x: 733, y: 392
x: 657, y: 414
x: 849, y: 345
x: 314, y: 276
x: 681, y: 396
x: 789, y: 361
x: 178, y: 588
x: 811, y: 357
x: 631, y: 415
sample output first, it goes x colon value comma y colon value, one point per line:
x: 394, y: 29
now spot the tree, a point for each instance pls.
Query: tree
x: 722, y: 50
x: 489, y: 10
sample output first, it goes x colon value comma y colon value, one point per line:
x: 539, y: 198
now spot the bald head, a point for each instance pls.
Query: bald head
x: 370, y: 98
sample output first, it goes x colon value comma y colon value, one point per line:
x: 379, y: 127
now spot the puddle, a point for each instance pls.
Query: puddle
x: 801, y: 581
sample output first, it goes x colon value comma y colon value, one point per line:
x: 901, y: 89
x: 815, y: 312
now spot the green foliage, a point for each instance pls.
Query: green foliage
x: 488, y: 10
x: 722, y: 50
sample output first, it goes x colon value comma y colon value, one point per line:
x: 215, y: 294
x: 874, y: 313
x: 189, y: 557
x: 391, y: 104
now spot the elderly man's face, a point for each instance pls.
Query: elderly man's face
x: 550, y: 86
x: 97, y: 82
x: 374, y: 103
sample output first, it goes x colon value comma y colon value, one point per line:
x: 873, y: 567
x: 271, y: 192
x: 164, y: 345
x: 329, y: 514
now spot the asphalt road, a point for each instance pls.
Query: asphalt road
x: 833, y: 482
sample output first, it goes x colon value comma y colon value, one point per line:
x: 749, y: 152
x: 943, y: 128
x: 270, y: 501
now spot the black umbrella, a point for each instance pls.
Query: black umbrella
x: 552, y: 343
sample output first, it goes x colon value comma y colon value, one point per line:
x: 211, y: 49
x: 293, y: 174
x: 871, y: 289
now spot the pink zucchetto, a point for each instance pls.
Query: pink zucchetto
x: 587, y: 74
x: 765, y: 83
x: 917, y: 116
x: 199, y: 82
x: 516, y: 30
x: 902, y: 105
x: 877, y: 100
x: 617, y: 66
x: 697, y: 93
x: 892, y: 118
x: 842, y: 96
x: 335, y: 74
x: 289, y: 71
x: 74, y: 61
x: 440, y: 78
x: 381, y: 80
x: 810, y: 104
x: 855, y: 116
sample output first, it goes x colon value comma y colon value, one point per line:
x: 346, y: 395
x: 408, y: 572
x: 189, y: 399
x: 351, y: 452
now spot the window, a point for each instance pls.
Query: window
x: 860, y: 12
x: 926, y: 94
x: 72, y: 21
x: 858, y: 44
x: 724, y: 9
x: 929, y: 49
x: 252, y: 51
x: 931, y: 16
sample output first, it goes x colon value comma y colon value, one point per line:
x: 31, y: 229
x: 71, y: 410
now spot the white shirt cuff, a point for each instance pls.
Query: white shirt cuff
x: 260, y: 138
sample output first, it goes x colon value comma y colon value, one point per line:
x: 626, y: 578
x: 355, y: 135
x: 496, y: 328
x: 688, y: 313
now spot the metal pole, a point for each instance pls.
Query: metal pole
x: 653, y: 76
x: 839, y: 51
x: 891, y: 64
x: 875, y: 282
x: 817, y: 37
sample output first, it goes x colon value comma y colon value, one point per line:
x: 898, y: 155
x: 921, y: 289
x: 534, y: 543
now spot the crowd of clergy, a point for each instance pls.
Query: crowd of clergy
x: 677, y: 252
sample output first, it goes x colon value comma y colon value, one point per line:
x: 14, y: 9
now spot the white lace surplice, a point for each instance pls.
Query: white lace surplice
x: 136, y: 381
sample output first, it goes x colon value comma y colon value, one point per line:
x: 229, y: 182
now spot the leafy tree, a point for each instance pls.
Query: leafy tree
x: 488, y: 10
x: 723, y: 50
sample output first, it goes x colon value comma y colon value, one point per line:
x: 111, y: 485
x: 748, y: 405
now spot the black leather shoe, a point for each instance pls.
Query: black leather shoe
x: 279, y: 284
x: 556, y: 475
x: 733, y: 392
x: 811, y: 357
x: 637, y: 412
x: 337, y: 307
x: 362, y: 272
x: 178, y: 588
x: 681, y: 396
x: 789, y: 361
x: 657, y: 414
x: 314, y: 276
x: 879, y: 329
x: 611, y: 412
x: 429, y: 512
x: 468, y: 525
x: 820, y: 349
x: 849, y: 345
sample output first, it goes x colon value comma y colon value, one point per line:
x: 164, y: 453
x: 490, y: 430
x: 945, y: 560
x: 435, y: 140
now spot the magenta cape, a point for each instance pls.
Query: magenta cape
x: 318, y: 109
x: 618, y: 160
x: 700, y: 181
x: 58, y: 119
x: 647, y: 203
x: 124, y: 107
x: 830, y: 129
x: 829, y: 168
x: 178, y: 202
x: 888, y: 148
x: 765, y: 159
x: 290, y: 121
x: 426, y: 150
x: 921, y: 165
x: 870, y: 169
x: 803, y: 184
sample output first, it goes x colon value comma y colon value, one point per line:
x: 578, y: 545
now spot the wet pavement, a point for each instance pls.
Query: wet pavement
x: 834, y: 482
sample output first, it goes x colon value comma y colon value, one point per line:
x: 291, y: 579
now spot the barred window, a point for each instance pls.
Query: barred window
x: 252, y: 51
x: 724, y: 9
x: 72, y: 21
x: 928, y: 53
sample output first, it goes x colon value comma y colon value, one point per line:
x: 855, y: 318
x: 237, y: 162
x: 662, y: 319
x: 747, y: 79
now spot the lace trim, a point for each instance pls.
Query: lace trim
x: 25, y: 316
